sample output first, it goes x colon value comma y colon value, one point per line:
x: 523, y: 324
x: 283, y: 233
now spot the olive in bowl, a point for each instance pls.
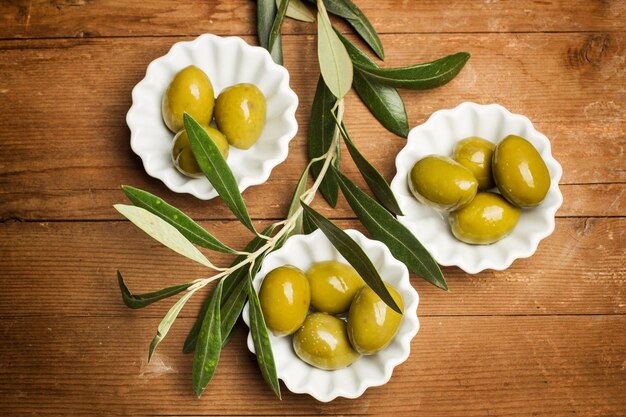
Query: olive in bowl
x: 189, y: 92
x: 333, y: 286
x: 183, y: 157
x: 285, y: 298
x: 442, y: 183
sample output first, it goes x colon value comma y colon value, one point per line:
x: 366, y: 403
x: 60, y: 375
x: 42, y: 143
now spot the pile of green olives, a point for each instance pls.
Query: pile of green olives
x: 459, y: 185
x: 333, y: 315
x: 239, y: 112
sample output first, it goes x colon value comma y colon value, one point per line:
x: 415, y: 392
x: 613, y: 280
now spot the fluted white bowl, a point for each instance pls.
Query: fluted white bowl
x: 438, y: 135
x: 303, y: 251
x: 226, y: 61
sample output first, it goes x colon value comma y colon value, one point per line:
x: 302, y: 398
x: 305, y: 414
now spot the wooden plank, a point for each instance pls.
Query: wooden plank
x: 70, y: 164
x: 69, y: 270
x: 43, y: 18
x: 471, y: 366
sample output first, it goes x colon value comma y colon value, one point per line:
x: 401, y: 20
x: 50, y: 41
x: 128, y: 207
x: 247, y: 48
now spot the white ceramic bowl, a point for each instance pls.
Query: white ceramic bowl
x: 438, y: 135
x: 226, y: 61
x: 368, y: 371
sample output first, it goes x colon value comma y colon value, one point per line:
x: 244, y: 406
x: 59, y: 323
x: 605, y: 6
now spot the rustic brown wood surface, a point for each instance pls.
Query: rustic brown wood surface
x: 546, y: 337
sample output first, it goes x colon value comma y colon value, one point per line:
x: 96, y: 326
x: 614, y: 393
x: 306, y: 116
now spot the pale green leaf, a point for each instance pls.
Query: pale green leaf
x: 298, y: 11
x: 335, y: 63
x: 163, y: 232
x: 168, y: 320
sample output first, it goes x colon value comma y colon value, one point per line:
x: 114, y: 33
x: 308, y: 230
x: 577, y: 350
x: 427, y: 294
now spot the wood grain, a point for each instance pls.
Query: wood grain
x: 83, y: 18
x: 81, y: 152
x: 561, y: 278
x: 470, y: 366
x: 543, y: 338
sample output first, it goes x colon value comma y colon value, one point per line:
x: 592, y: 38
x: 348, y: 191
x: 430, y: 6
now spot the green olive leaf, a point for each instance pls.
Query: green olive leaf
x: 234, y: 296
x: 163, y: 232
x: 417, y: 77
x: 335, y: 64
x: 320, y: 138
x: 189, y: 228
x: 143, y: 300
x: 372, y: 177
x: 356, y: 55
x: 386, y: 228
x: 217, y: 170
x: 384, y: 103
x: 298, y: 11
x: 275, y: 45
x: 353, y: 253
x: 308, y: 226
x: 265, y: 16
x: 167, y: 321
x: 261, y: 340
x: 209, y: 343
x: 295, y: 201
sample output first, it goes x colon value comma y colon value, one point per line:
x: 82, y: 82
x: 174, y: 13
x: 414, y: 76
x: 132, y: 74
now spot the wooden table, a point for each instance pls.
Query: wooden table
x: 545, y: 337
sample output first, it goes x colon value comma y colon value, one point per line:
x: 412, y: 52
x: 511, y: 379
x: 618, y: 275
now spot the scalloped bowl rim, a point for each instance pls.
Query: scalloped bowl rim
x: 281, y: 142
x: 466, y: 259
x: 402, y: 341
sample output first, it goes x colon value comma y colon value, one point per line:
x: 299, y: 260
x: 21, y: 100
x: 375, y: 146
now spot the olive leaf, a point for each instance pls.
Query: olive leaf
x: 209, y: 343
x: 417, y: 77
x: 190, y: 229
x: 275, y: 45
x: 217, y: 170
x: 353, y: 253
x: 372, y: 177
x: 265, y: 16
x: 143, y: 300
x: 298, y: 11
x: 261, y: 340
x: 308, y: 226
x: 233, y: 295
x: 386, y: 228
x: 335, y: 64
x: 163, y: 232
x: 356, y: 55
x: 167, y: 321
x: 355, y: 17
x: 295, y: 201
x: 384, y: 103
x: 320, y: 138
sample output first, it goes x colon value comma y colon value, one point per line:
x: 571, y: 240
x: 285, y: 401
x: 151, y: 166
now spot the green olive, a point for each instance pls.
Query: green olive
x: 322, y: 341
x: 240, y: 114
x: 520, y: 173
x: 333, y: 285
x: 190, y: 91
x: 475, y: 154
x: 487, y: 219
x: 285, y: 298
x: 442, y: 183
x: 372, y: 324
x: 183, y: 157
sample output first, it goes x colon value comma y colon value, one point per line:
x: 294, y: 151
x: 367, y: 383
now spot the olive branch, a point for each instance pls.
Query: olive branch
x: 342, y: 66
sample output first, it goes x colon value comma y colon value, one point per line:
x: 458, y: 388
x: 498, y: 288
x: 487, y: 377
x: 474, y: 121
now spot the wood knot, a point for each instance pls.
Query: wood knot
x: 592, y: 51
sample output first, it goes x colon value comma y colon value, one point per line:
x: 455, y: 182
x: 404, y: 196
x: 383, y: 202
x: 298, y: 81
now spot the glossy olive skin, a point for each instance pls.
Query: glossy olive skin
x: 322, y: 341
x: 182, y: 155
x: 487, y: 219
x: 442, y: 183
x: 190, y: 91
x: 372, y: 324
x: 520, y: 173
x: 285, y: 298
x: 475, y: 154
x: 240, y: 112
x: 333, y: 286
